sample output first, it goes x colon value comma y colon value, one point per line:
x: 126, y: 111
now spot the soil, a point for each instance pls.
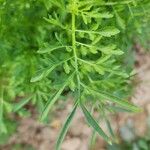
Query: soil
x: 43, y: 137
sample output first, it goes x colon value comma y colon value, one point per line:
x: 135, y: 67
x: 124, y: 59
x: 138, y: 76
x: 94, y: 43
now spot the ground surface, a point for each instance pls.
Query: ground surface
x: 42, y: 137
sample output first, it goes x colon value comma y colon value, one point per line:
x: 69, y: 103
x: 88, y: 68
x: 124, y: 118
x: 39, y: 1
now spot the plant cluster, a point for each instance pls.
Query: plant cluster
x: 50, y: 48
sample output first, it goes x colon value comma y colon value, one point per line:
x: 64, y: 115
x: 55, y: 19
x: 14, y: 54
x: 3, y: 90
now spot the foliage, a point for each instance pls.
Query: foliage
x: 52, y: 48
x: 141, y: 143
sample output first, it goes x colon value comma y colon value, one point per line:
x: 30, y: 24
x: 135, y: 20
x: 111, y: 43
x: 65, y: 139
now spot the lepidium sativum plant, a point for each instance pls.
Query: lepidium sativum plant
x: 57, y: 47
x: 81, y: 57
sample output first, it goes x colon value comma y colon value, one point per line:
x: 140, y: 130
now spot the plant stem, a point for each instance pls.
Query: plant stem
x: 74, y: 49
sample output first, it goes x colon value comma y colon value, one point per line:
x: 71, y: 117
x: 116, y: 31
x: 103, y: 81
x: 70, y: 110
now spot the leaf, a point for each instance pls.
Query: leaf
x: 54, y: 22
x: 40, y: 74
x: 59, y: 3
x: 51, y: 102
x: 119, y: 101
x: 84, y: 18
x: 107, y: 49
x: 107, y: 96
x: 143, y: 144
x: 50, y: 49
x: 117, y: 72
x: 116, y: 109
x: 120, y: 21
x: 109, y: 31
x: 66, y: 68
x: 68, y: 48
x: 117, y: 52
x: 110, y: 49
x: 99, y: 69
x: 97, y: 14
x: 106, y: 15
x: 65, y: 128
x: 94, y: 124
x: 93, y: 50
x: 103, y: 59
x: 21, y: 104
x: 96, y: 40
x: 93, y: 140
x: 72, y: 85
x: 84, y: 50
x: 110, y: 128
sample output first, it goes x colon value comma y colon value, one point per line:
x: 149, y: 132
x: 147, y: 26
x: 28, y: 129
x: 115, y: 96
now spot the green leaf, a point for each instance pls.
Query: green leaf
x: 120, y: 21
x: 107, y: 96
x: 98, y: 15
x: 106, y: 15
x: 143, y: 144
x: 21, y: 104
x: 52, y: 101
x: 84, y: 18
x: 109, y: 31
x: 110, y: 49
x: 84, y: 50
x: 99, y: 69
x: 91, y: 121
x: 40, y: 74
x: 54, y: 22
x: 110, y: 128
x: 66, y: 68
x: 117, y: 52
x: 119, y: 101
x: 65, y: 128
x: 107, y: 49
x: 116, y: 109
x: 72, y: 85
x: 50, y: 49
x: 93, y: 140
x: 93, y: 50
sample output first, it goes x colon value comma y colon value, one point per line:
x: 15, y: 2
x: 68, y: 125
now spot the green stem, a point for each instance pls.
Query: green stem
x: 74, y: 49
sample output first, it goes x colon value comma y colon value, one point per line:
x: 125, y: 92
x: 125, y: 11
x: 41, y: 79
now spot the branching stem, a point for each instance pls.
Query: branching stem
x: 74, y: 50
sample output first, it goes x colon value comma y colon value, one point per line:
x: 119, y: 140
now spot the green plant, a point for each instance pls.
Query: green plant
x: 75, y: 49
x: 82, y: 43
